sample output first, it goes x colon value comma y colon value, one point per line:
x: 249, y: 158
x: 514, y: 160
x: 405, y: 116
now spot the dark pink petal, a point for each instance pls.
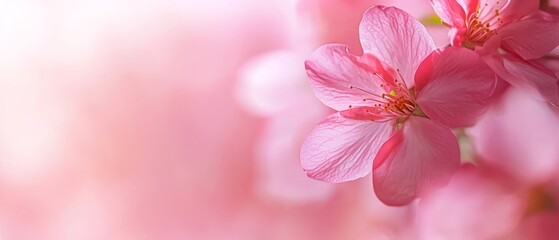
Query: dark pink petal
x: 533, y: 36
x: 527, y: 75
x: 396, y: 38
x: 422, y: 154
x: 340, y: 149
x: 454, y: 86
x: 542, y: 225
x: 451, y: 12
x: 340, y: 79
x: 491, y: 46
x: 456, y: 36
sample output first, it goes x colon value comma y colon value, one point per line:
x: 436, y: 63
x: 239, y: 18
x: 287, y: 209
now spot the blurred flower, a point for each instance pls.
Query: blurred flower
x: 273, y: 85
x: 483, y: 203
x: 474, y: 205
x: 377, y: 108
x: 519, y: 136
x: 515, y: 143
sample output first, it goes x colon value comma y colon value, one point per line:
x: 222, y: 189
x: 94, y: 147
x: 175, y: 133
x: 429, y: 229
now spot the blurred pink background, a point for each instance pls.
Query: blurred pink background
x: 183, y: 120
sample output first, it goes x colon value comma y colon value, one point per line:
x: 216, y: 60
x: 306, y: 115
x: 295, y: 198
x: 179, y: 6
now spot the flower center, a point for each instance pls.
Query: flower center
x: 395, y: 101
x: 398, y: 103
x: 483, y: 24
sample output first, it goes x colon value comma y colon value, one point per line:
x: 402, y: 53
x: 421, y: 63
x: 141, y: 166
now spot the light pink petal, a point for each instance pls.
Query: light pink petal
x: 340, y: 79
x: 422, y: 154
x: 456, y: 36
x: 440, y: 34
x: 512, y: 10
x: 527, y: 75
x: 449, y: 92
x: 470, y: 6
x: 450, y: 11
x: 395, y: 38
x: 340, y: 149
x: 367, y: 113
x: 532, y: 37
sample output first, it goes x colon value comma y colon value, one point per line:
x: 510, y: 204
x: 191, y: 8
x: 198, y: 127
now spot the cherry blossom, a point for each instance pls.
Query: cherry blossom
x: 395, y: 106
x: 509, y: 35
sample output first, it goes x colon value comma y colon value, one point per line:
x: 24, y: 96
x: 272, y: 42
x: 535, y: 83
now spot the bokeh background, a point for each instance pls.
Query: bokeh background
x: 182, y: 119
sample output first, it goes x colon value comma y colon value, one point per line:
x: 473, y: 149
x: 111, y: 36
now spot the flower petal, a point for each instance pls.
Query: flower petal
x: 533, y: 36
x: 396, y: 38
x: 513, y: 10
x: 340, y: 149
x: 450, y: 11
x: 422, y: 154
x: 527, y: 75
x: 367, y: 113
x: 340, y: 79
x: 449, y: 92
x: 470, y: 6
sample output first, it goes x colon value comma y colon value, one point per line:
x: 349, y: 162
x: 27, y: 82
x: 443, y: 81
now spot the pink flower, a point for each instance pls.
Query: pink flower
x: 379, y: 101
x: 509, y: 34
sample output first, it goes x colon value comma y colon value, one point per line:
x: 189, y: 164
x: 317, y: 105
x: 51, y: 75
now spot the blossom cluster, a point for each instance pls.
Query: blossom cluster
x: 402, y: 105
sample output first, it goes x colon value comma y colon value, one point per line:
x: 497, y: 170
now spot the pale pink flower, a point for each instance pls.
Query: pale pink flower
x: 519, y: 136
x: 474, y: 205
x: 509, y: 34
x: 491, y: 205
x: 378, y: 101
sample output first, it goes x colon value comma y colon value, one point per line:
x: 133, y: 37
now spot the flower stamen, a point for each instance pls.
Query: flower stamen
x: 395, y: 100
x: 483, y: 24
